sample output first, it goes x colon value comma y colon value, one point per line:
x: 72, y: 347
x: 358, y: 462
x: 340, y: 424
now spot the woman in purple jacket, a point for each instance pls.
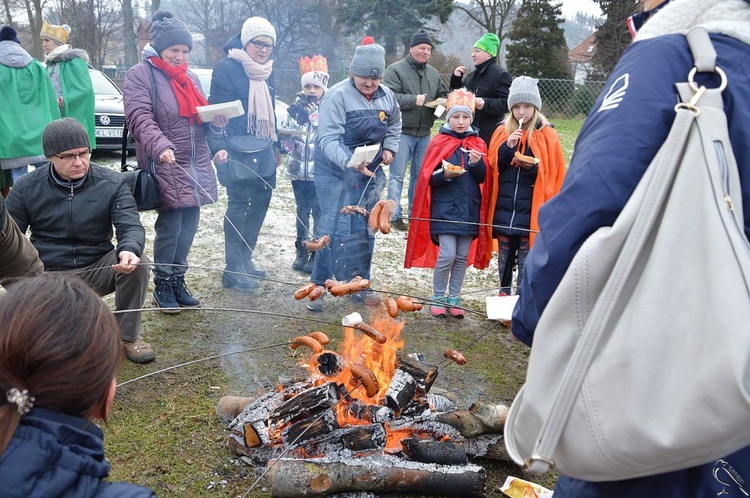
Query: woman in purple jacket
x: 171, y: 135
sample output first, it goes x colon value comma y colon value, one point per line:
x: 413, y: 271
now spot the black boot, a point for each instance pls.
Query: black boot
x: 255, y: 271
x: 182, y: 294
x: 164, y: 297
x: 235, y: 278
x: 301, y: 257
x: 308, y: 268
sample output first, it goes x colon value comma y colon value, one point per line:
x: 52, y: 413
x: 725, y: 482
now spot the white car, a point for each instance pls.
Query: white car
x: 204, y: 75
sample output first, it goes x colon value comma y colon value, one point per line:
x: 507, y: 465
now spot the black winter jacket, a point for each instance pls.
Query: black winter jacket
x: 514, y: 194
x: 492, y: 83
x: 72, y: 227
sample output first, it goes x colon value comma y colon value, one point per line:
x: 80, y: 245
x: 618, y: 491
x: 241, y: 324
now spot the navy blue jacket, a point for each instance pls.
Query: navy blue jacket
x: 457, y: 199
x: 57, y: 455
x: 514, y: 194
x: 617, y: 143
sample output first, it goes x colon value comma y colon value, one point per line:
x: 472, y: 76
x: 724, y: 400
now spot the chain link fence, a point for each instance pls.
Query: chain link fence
x: 560, y: 98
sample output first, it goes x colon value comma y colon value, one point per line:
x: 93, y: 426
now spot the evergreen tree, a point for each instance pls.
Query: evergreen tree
x: 612, y: 37
x: 537, y: 42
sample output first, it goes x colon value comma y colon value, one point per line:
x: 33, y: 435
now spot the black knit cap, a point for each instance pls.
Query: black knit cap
x: 421, y: 36
x: 7, y: 33
x: 64, y: 134
x: 167, y: 30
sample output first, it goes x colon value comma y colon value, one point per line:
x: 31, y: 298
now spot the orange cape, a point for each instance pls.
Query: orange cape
x: 420, y: 251
x: 545, y: 146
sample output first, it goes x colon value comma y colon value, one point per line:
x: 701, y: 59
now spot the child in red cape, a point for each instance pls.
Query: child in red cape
x: 450, y: 207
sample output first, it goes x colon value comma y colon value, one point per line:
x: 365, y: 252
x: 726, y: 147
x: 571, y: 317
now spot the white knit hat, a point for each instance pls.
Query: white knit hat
x: 524, y: 89
x: 255, y: 27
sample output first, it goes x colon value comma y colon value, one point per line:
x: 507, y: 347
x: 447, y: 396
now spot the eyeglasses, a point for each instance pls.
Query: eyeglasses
x: 261, y: 45
x: 69, y: 158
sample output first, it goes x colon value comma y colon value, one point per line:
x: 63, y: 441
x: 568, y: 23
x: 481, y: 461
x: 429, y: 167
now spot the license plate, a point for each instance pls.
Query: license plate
x: 108, y: 132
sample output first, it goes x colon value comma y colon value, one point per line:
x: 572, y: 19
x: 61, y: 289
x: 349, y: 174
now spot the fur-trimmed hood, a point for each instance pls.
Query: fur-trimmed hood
x: 727, y: 17
x: 66, y: 55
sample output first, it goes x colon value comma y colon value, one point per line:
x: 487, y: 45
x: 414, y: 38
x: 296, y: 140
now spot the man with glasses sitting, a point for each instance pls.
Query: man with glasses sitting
x: 71, y: 205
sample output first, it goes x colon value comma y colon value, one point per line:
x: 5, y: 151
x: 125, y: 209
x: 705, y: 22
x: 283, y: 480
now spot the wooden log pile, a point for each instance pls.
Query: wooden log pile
x: 315, y: 436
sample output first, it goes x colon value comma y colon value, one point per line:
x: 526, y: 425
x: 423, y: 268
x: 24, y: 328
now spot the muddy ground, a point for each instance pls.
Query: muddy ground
x: 164, y: 433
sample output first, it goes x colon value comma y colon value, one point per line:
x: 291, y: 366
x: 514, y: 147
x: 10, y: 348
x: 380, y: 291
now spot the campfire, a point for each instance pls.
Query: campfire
x: 365, y: 419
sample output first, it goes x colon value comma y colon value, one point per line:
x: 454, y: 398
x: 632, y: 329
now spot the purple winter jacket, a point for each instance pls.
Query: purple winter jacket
x: 156, y: 131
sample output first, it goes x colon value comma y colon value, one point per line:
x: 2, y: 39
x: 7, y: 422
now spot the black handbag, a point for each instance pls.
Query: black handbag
x: 142, y: 182
x: 251, y: 158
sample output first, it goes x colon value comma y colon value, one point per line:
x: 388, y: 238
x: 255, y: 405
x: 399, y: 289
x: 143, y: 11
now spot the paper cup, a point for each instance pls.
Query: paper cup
x: 351, y: 319
x: 439, y: 110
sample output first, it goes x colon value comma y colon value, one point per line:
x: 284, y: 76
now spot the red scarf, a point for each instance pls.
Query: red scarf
x: 188, y: 97
x: 421, y: 252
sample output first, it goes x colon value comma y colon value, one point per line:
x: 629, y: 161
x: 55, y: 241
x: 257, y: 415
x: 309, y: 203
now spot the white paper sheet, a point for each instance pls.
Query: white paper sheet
x: 501, y: 307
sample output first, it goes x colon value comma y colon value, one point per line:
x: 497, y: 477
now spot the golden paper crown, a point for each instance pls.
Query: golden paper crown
x: 54, y: 32
x: 316, y: 63
x: 462, y: 97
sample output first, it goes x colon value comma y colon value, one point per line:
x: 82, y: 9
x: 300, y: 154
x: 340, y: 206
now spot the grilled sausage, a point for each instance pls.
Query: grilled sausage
x: 373, y: 221
x: 317, y: 244
x: 318, y: 291
x: 392, y: 307
x: 384, y: 219
x: 304, y: 340
x: 370, y: 332
x: 367, y: 378
x: 454, y: 355
x: 407, y: 304
x: 355, y: 285
x: 303, y: 291
x: 320, y: 337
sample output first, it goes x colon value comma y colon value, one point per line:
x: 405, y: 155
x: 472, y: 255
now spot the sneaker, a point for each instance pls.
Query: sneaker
x: 181, y: 293
x: 437, y: 309
x: 453, y: 303
x: 138, y: 351
x: 239, y: 281
x: 316, y: 305
x: 164, y: 297
x: 368, y: 297
x: 399, y: 224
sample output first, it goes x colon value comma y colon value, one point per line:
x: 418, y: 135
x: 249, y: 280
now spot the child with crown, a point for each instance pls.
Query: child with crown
x: 450, y: 206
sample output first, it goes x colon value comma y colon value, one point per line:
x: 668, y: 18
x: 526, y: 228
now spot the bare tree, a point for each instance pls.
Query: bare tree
x: 495, y: 16
x: 128, y: 34
x: 8, y: 11
x: 34, y: 13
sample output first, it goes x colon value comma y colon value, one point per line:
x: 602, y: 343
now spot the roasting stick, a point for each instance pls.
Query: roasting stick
x: 273, y: 462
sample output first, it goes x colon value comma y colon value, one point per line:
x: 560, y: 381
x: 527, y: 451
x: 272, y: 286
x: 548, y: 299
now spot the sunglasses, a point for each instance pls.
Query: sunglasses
x: 261, y: 45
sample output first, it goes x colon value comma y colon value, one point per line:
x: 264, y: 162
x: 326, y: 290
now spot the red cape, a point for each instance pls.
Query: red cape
x: 420, y: 251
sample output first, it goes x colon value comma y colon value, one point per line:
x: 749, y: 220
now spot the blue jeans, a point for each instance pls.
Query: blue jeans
x: 328, y: 187
x: 307, y: 205
x: 19, y: 172
x: 175, y: 231
x: 409, y: 147
x: 513, y: 250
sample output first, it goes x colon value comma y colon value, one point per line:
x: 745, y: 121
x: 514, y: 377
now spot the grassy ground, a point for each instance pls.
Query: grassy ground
x: 163, y: 431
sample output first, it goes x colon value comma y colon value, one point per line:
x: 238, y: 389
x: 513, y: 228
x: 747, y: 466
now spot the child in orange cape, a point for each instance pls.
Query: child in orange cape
x: 526, y: 153
x: 449, y: 206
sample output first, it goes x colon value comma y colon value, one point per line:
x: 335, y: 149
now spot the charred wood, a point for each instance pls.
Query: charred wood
x: 293, y: 478
x: 401, y: 391
x: 442, y: 452
x: 312, y: 428
x: 423, y: 374
x: 305, y: 405
x: 368, y: 413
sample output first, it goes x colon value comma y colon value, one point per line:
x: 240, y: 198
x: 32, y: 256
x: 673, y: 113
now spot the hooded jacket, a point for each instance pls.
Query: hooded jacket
x: 627, y: 126
x: 69, y: 72
x: 191, y: 181
x: 492, y: 83
x: 53, y: 454
x: 29, y: 103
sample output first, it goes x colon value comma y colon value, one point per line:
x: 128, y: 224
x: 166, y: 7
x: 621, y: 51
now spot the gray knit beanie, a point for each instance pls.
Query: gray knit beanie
x: 167, y: 30
x: 64, y: 134
x: 368, y: 60
x: 254, y: 27
x: 420, y: 37
x: 524, y: 90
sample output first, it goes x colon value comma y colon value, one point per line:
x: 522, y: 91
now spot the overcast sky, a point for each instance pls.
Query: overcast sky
x: 570, y: 7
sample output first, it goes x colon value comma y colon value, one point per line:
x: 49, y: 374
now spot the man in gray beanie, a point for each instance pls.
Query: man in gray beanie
x: 415, y: 83
x: 71, y: 206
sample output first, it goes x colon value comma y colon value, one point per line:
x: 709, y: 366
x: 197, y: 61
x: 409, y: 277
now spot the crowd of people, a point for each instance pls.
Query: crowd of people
x: 493, y: 179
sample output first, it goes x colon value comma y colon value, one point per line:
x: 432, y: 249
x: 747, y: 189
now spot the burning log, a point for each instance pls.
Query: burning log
x: 442, y: 452
x: 401, y: 391
x: 423, y: 374
x: 306, y: 404
x: 378, y: 475
x: 440, y: 403
x: 368, y: 413
x: 309, y: 429
x: 330, y: 363
x: 357, y: 438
